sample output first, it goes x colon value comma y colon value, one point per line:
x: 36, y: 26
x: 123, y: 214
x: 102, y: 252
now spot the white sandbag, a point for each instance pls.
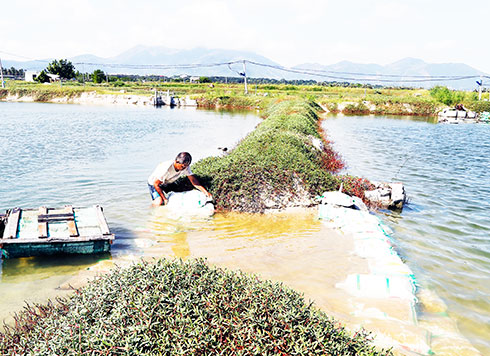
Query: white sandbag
x: 374, y: 286
x: 373, y: 249
x: 192, y: 201
x: 372, y: 235
x: 346, y: 218
x: 392, y: 266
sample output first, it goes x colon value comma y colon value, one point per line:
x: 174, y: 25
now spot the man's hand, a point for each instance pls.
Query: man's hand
x: 195, y: 182
x: 164, y: 201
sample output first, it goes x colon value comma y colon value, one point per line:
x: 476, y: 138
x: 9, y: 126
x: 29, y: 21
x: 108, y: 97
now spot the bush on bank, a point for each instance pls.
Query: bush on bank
x: 278, y: 165
x: 181, y: 308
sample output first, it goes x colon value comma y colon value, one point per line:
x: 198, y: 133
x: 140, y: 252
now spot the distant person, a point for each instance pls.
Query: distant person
x: 168, y: 172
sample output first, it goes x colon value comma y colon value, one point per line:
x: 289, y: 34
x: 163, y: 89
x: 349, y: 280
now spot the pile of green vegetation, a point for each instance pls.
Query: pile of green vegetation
x: 181, y: 308
x: 277, y: 165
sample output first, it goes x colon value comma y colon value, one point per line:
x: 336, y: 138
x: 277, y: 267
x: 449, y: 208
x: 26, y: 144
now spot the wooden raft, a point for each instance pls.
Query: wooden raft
x: 29, y: 232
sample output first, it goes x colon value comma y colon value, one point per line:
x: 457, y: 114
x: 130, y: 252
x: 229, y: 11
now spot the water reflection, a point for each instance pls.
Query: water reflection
x: 41, y: 267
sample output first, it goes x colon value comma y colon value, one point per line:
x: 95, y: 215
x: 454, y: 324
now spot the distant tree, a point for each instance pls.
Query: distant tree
x: 446, y: 96
x: 63, y: 68
x: 204, y: 80
x: 98, y: 76
x: 42, y: 77
x: 119, y: 83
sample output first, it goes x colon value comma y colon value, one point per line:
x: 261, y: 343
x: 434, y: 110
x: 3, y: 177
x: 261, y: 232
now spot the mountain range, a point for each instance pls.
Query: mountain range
x: 410, y: 72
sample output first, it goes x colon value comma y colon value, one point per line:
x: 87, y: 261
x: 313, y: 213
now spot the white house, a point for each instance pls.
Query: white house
x: 30, y: 75
x: 53, y: 77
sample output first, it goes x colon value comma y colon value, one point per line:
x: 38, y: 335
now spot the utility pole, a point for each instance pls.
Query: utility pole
x: 480, y: 84
x: 1, y: 74
x: 245, y: 75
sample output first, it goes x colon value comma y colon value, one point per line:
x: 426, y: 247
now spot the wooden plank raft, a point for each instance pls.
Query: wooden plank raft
x: 48, y: 231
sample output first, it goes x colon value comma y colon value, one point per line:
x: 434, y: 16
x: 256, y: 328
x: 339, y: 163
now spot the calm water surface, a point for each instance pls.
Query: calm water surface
x: 444, y: 232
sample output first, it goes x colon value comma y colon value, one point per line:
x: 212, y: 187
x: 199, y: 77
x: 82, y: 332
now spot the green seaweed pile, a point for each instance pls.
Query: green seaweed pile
x: 181, y: 308
x: 277, y: 165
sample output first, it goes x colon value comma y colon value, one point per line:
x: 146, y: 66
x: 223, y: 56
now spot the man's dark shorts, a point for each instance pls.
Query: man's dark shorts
x: 154, y: 194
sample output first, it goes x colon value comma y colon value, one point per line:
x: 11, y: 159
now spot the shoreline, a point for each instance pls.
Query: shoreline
x: 124, y: 98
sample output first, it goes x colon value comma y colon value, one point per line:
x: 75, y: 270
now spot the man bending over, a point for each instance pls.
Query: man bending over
x: 168, y: 172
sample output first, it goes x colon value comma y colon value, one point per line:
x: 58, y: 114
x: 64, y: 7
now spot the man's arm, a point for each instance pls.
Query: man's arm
x: 159, y: 190
x: 195, y: 182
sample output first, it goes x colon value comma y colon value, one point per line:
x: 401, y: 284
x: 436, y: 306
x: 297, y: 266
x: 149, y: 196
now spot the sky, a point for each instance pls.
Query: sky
x: 285, y: 31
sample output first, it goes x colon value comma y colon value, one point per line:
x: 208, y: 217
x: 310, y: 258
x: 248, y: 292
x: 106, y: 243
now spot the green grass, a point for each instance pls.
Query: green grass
x: 387, y: 101
x: 276, y: 165
x: 181, y: 308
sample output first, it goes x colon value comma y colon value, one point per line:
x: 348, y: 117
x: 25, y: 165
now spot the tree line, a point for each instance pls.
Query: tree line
x: 62, y: 68
x: 13, y: 71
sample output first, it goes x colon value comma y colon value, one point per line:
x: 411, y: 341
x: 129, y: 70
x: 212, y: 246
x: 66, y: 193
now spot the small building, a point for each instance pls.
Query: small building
x: 30, y: 75
x: 53, y: 77
x: 194, y: 79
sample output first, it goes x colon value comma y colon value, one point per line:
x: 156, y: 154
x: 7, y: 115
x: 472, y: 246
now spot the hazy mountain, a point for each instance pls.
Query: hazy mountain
x: 152, y: 60
x: 409, y: 72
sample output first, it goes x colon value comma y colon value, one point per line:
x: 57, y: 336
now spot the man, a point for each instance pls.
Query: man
x: 168, y: 172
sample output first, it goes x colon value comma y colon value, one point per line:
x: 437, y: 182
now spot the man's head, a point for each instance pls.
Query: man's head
x: 182, y: 161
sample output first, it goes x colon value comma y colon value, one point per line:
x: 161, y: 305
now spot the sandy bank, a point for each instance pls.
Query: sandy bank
x: 88, y: 98
x: 122, y: 98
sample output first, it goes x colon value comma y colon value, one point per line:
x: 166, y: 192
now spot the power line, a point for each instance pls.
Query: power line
x: 320, y: 73
x: 158, y: 66
x: 312, y: 73
x: 315, y: 73
x: 24, y: 57
x: 378, y: 74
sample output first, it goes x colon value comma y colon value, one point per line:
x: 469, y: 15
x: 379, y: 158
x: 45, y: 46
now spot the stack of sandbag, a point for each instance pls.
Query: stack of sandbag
x: 389, y: 280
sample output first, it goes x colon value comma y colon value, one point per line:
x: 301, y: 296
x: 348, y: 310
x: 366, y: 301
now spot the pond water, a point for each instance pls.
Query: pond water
x: 443, y: 233
x: 54, y: 154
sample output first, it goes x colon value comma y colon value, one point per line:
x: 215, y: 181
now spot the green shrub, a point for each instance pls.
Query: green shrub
x: 332, y: 107
x: 119, y: 83
x: 42, y: 77
x: 177, y: 308
x: 446, y: 96
x: 479, y: 106
x: 272, y: 161
x: 356, y: 109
